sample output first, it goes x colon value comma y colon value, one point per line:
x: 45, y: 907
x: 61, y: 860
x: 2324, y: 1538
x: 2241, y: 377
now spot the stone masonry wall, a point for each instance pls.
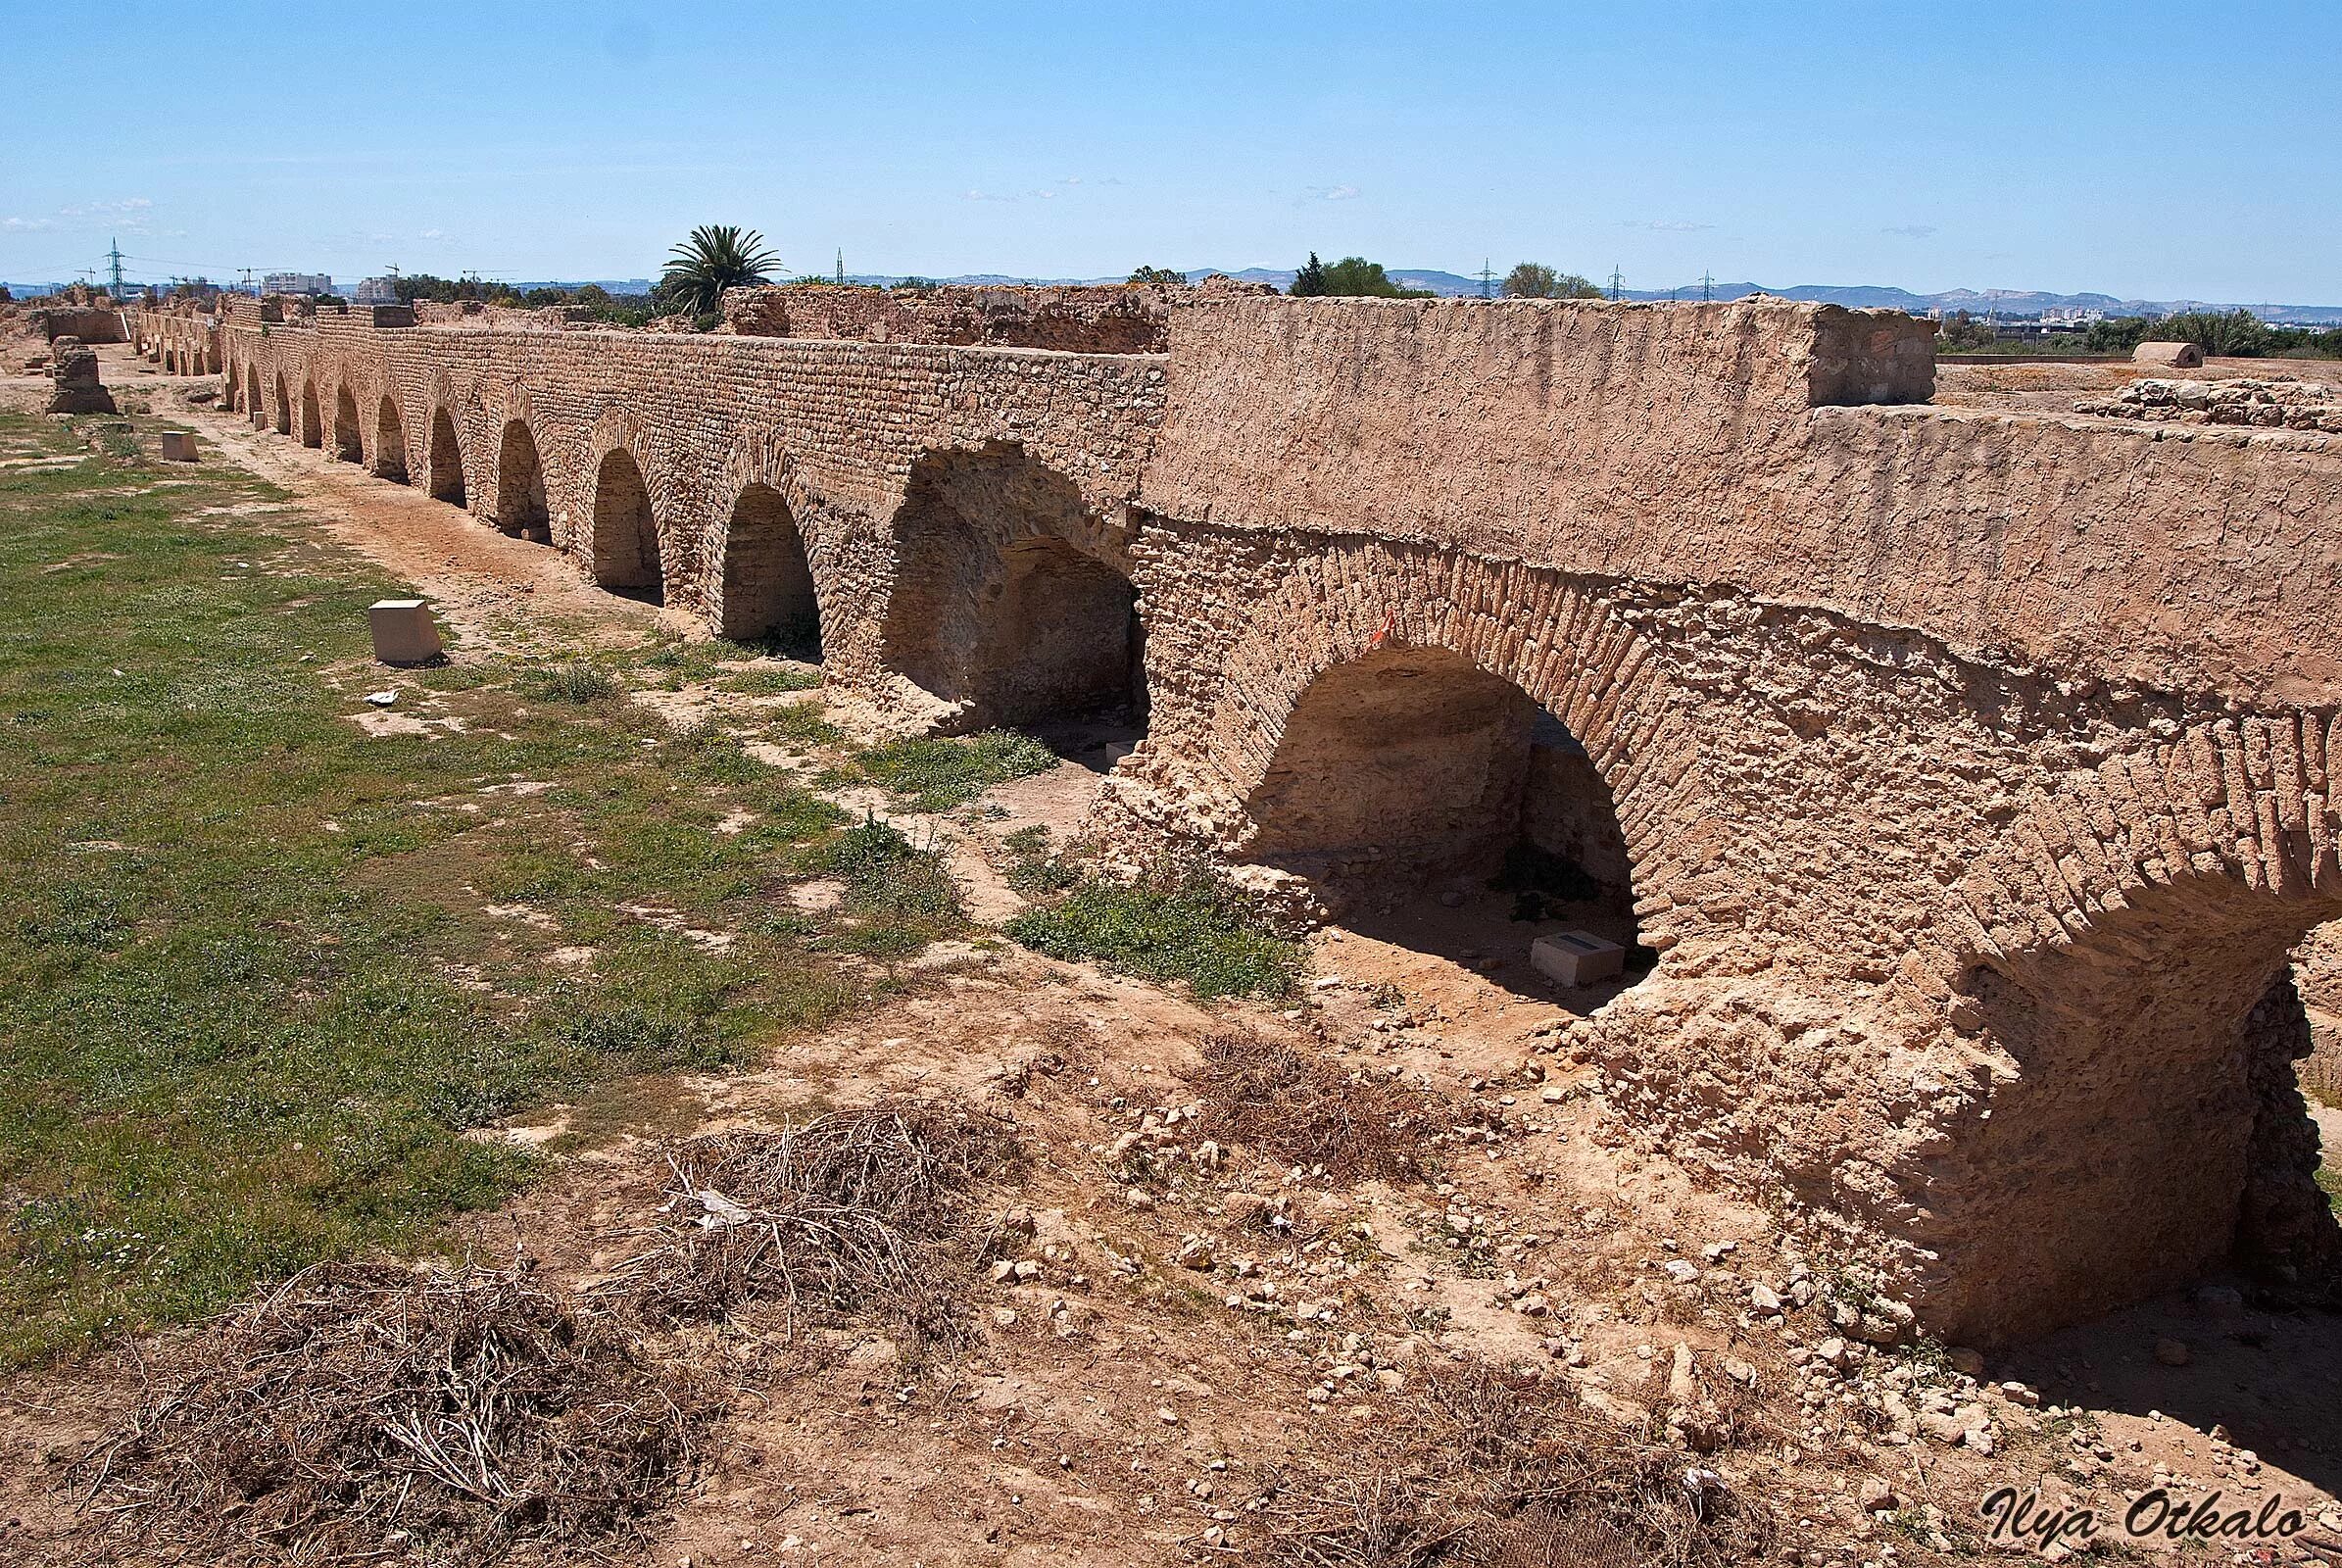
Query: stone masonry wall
x: 1972, y: 769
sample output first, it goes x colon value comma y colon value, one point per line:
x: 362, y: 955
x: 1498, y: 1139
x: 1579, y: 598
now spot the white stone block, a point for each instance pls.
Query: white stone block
x: 403, y: 632
x: 1577, y: 958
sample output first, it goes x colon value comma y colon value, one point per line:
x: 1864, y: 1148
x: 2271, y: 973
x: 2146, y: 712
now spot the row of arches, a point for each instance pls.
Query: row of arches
x: 765, y: 593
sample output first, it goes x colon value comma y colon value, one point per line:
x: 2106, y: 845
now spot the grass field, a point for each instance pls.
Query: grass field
x: 260, y: 971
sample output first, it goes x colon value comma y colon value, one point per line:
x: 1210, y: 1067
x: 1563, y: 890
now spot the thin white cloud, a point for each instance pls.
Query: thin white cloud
x: 1666, y: 226
x: 1342, y: 193
x: 1910, y: 230
x: 18, y: 226
x: 121, y: 209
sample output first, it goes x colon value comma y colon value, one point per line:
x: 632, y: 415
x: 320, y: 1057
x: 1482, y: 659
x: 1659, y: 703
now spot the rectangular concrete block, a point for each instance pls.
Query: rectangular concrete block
x: 404, y: 631
x: 179, y: 446
x: 1577, y: 958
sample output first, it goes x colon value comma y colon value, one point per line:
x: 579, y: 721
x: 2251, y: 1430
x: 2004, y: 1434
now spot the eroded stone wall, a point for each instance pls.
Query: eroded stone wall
x: 1970, y: 770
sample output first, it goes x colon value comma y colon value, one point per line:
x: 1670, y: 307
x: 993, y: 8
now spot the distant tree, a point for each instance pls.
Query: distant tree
x: 2237, y: 333
x: 1163, y: 276
x: 717, y: 257
x: 1353, y: 277
x: 920, y: 283
x: 1535, y: 281
x: 1961, y: 332
x: 2117, y: 334
x: 593, y: 294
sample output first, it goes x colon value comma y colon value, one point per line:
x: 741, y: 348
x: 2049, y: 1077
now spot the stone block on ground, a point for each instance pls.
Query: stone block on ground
x: 179, y: 446
x: 2185, y: 356
x: 1577, y: 958
x: 404, y: 631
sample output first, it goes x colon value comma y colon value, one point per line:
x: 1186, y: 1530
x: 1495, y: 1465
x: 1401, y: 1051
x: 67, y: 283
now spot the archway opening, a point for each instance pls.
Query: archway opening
x: 390, y: 442
x: 769, y: 586
x: 2154, y: 1128
x: 313, y: 429
x: 627, y: 559
x: 348, y: 444
x: 445, y: 460
x: 284, y: 408
x: 1011, y: 602
x: 253, y: 407
x: 1437, y: 808
x: 210, y: 362
x: 521, y: 509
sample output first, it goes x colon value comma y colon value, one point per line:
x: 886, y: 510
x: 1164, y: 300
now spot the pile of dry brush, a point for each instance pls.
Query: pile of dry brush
x: 1487, y: 1465
x: 1302, y: 1109
x: 867, y: 1212
x: 363, y: 1411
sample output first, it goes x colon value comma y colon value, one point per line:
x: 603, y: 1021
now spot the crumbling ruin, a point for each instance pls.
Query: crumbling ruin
x: 1968, y: 773
x: 79, y: 388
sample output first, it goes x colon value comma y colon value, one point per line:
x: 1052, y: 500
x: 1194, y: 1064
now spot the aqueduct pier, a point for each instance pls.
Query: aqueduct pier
x: 1972, y: 775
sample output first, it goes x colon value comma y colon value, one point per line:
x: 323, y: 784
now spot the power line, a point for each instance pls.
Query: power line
x: 1618, y: 282
x: 1487, y: 274
x: 114, y: 256
x: 1707, y: 285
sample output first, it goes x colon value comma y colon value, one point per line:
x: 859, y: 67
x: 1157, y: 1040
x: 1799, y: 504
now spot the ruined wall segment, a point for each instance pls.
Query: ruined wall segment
x: 1974, y: 771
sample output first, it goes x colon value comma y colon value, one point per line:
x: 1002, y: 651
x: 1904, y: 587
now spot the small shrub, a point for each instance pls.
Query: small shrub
x: 1033, y: 870
x: 935, y: 775
x: 1175, y: 925
x: 901, y: 896
x: 572, y: 683
x: 774, y: 682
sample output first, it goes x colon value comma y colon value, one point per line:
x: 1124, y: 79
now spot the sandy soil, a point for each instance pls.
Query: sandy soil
x: 2055, y: 386
x: 1192, y: 1323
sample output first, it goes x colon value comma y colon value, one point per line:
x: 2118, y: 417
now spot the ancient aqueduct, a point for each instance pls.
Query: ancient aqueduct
x: 1974, y: 773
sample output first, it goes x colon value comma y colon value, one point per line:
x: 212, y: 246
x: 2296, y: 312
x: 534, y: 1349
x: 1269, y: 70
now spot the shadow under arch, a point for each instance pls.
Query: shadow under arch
x: 284, y: 407
x: 444, y: 460
x: 627, y: 553
x: 313, y: 427
x: 2145, y: 1124
x: 390, y: 442
x: 1435, y: 804
x: 254, y: 407
x: 349, y: 442
x: 767, y: 591
x: 1011, y: 602
x: 521, y: 508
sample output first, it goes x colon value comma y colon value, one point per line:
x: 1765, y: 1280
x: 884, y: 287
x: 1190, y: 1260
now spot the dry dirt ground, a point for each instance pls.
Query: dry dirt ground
x: 1184, y: 1321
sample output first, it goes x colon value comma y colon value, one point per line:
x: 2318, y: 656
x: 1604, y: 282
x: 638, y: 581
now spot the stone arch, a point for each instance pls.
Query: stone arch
x: 2117, y: 968
x: 349, y: 443
x: 284, y: 406
x: 211, y: 359
x: 767, y: 590
x: 444, y: 459
x: 628, y: 553
x: 390, y: 441
x: 1557, y: 641
x: 1011, y: 602
x: 312, y: 426
x: 521, y: 506
x: 253, y: 405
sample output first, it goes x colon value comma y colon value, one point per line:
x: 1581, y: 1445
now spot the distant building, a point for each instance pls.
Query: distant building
x: 296, y: 284
x: 376, y: 291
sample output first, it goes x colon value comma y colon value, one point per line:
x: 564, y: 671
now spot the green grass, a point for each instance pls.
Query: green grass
x: 2329, y: 1177
x: 936, y: 775
x: 1186, y: 927
x: 251, y: 991
x: 771, y: 682
x: 899, y: 896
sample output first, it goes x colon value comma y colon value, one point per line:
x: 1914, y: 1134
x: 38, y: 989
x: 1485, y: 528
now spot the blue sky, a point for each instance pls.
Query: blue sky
x: 2147, y: 149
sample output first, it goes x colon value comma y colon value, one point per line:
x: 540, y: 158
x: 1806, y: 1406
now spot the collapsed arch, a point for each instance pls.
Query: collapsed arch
x: 445, y: 461
x: 521, y: 509
x: 1009, y: 603
x: 313, y: 430
x: 627, y: 557
x: 390, y: 442
x: 767, y: 590
x: 348, y: 444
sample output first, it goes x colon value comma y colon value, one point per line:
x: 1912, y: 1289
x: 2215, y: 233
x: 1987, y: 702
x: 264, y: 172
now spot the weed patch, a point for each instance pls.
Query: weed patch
x: 938, y: 774
x: 1300, y: 1110
x: 1183, y: 925
x: 572, y: 683
x: 900, y: 895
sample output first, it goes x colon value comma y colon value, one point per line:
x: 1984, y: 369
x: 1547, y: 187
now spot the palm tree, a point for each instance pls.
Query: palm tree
x: 717, y: 257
